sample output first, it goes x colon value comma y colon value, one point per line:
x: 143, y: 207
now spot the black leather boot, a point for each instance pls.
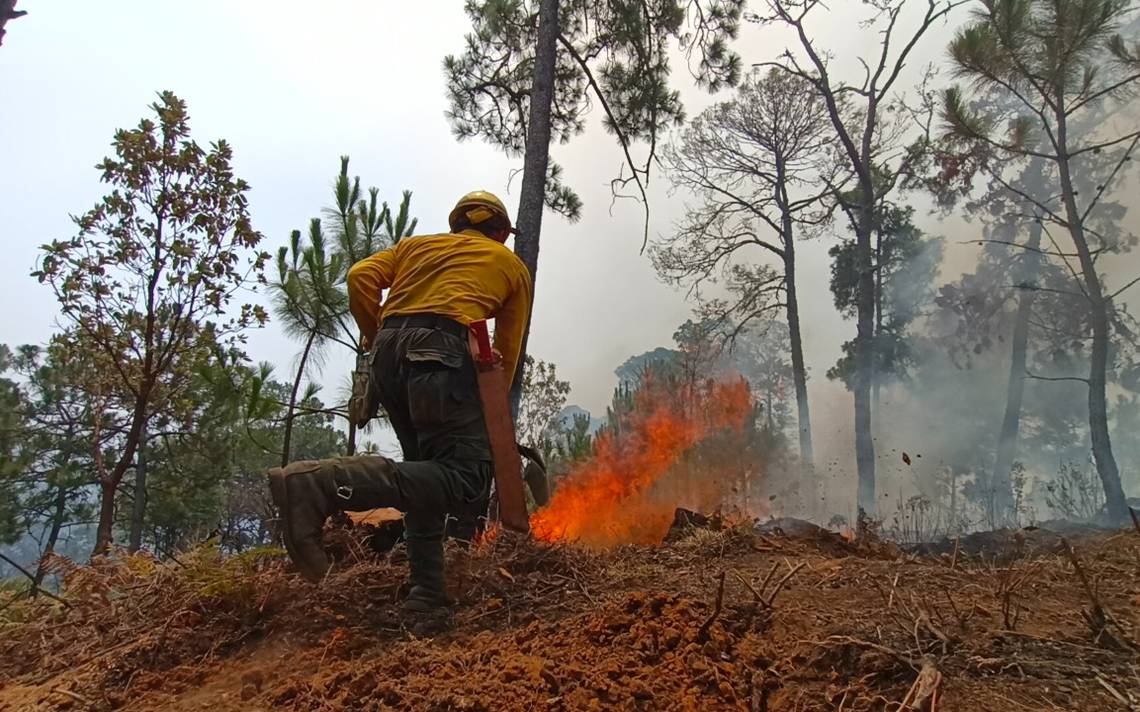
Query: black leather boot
x: 425, y: 562
x: 308, y: 491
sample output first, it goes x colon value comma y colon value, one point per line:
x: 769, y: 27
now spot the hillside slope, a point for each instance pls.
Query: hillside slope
x: 686, y: 625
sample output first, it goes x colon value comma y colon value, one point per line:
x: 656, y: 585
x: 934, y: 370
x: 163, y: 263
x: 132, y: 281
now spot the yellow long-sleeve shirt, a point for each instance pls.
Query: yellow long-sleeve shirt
x: 465, y: 277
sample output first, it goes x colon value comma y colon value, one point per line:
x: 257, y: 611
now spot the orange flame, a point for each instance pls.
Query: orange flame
x: 603, y: 502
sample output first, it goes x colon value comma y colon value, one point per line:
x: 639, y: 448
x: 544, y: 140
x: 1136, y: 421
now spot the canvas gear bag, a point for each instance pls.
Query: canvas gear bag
x: 363, y: 405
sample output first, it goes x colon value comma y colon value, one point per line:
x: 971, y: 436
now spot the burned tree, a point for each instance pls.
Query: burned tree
x: 870, y: 130
x: 1056, y: 62
x: 997, y: 304
x: 762, y: 167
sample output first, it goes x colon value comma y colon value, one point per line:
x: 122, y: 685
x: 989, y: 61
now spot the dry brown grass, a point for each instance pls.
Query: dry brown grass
x: 690, y: 624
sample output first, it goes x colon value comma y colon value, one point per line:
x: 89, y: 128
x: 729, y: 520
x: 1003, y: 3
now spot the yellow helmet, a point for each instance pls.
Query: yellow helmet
x: 477, y: 207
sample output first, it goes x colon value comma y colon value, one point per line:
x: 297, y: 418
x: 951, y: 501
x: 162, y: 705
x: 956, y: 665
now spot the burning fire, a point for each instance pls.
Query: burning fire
x: 604, y: 502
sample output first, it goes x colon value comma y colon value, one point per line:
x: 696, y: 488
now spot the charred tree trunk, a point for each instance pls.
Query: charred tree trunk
x: 1011, y: 423
x: 291, y: 414
x: 799, y: 371
x: 1098, y: 415
x: 875, y: 375
x: 1098, y: 314
x: 864, y: 353
x: 953, y: 500
x: 138, y: 509
x: 532, y: 196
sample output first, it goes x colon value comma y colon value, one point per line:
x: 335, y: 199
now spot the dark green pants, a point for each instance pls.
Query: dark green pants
x: 425, y: 379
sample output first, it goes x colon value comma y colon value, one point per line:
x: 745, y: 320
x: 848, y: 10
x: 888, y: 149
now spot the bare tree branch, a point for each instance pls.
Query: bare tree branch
x: 616, y: 126
x: 1035, y: 377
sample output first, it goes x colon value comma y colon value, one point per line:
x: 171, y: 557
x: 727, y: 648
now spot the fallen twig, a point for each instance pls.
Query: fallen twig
x: 703, y: 631
x: 780, y: 585
x: 923, y: 620
x: 583, y: 589
x: 962, y: 620
x: 1009, y: 583
x: 997, y: 666
x: 32, y: 579
x: 827, y: 579
x: 771, y: 573
x: 1044, y: 639
x: 73, y: 695
x: 1114, y: 692
x: 755, y: 594
x: 848, y: 640
x: 769, y: 541
x: 1096, y: 618
x: 1022, y: 705
x: 1081, y: 574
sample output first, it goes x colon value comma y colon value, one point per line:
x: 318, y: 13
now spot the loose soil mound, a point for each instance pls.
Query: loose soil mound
x: 716, y: 620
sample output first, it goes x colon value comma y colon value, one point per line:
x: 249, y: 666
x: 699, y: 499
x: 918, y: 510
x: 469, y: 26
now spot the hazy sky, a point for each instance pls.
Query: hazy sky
x: 292, y: 86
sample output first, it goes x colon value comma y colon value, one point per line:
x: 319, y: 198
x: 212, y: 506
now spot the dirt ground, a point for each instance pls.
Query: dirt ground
x: 791, y: 618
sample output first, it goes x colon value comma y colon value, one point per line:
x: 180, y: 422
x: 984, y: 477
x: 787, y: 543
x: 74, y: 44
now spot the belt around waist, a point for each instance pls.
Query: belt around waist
x: 426, y: 321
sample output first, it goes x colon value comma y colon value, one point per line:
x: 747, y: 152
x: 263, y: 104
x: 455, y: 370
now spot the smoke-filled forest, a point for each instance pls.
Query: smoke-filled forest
x: 884, y: 452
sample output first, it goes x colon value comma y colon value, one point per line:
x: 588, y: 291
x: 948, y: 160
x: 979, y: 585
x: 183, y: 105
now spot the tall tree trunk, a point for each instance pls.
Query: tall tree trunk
x: 138, y: 512
x: 532, y: 196
x: 1098, y: 312
x: 351, y: 445
x: 1098, y: 415
x: 864, y: 355
x: 1011, y: 423
x: 876, y: 377
x: 109, y: 481
x: 287, y: 440
x: 799, y: 371
x: 107, y: 489
x: 953, y: 500
x: 58, y: 511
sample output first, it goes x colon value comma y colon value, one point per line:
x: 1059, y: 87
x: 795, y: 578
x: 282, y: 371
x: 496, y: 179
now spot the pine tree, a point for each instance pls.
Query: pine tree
x: 310, y: 292
x: 1056, y: 61
x: 530, y: 71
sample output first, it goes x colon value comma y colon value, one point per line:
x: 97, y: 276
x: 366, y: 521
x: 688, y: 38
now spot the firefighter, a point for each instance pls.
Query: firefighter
x: 423, y: 374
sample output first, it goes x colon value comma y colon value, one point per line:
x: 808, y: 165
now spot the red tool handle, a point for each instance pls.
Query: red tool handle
x: 486, y: 357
